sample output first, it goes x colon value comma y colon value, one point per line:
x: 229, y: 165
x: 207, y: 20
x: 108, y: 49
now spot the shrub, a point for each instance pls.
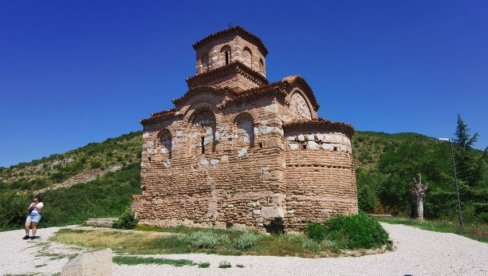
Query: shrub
x: 127, y: 220
x: 356, y: 231
x: 204, y: 239
x: 311, y: 245
x: 246, y: 241
x: 316, y: 231
x: 366, y: 199
x: 204, y: 265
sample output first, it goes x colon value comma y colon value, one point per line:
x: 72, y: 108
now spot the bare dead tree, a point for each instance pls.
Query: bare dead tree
x: 418, y: 189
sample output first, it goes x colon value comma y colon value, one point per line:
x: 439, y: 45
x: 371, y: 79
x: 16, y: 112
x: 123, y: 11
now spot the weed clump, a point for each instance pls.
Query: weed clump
x: 316, y: 231
x: 127, y: 220
x: 204, y: 239
x: 224, y: 264
x: 246, y: 241
x: 204, y: 265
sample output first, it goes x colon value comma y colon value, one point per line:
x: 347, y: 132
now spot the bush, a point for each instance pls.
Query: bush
x: 13, y: 209
x: 356, y: 231
x: 204, y: 239
x: 127, y: 220
x: 366, y: 199
x: 316, y: 231
x: 246, y: 241
x: 311, y: 245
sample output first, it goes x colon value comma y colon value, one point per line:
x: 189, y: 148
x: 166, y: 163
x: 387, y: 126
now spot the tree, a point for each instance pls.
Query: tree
x: 472, y: 171
x: 469, y: 163
x: 418, y: 190
x: 463, y: 139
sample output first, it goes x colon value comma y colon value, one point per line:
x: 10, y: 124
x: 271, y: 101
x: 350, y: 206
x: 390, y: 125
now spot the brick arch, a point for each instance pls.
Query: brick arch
x: 249, y: 113
x: 197, y: 108
x: 163, y: 131
x: 245, y: 122
x: 204, y: 63
x: 204, y: 131
x: 247, y: 57
x: 313, y: 115
x: 225, y: 55
x: 168, y: 145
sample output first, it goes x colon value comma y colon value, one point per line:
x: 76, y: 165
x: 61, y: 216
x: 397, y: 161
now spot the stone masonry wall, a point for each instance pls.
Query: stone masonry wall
x: 320, y: 178
x: 237, y: 45
x: 233, y: 184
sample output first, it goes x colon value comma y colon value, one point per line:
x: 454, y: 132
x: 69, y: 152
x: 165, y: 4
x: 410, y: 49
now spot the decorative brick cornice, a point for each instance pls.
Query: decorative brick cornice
x: 318, y: 125
x: 236, y: 30
x: 270, y: 90
x: 158, y: 116
x: 203, y: 89
x: 235, y: 67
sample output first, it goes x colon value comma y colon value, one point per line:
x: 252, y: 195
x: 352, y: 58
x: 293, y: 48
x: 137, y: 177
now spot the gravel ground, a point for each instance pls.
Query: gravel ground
x: 418, y: 252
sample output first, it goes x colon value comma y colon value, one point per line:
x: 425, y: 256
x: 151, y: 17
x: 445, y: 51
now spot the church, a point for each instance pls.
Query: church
x: 239, y: 151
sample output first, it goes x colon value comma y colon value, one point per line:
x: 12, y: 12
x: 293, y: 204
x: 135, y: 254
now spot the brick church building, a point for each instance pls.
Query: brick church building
x: 237, y: 150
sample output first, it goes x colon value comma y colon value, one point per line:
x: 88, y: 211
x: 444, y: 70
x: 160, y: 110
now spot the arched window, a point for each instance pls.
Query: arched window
x: 203, y: 132
x: 166, y: 142
x: 245, y: 130
x: 204, y: 63
x: 261, y: 65
x: 247, y: 57
x: 225, y: 55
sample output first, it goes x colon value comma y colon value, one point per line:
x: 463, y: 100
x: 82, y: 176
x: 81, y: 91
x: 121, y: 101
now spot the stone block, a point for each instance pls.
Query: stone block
x: 98, y: 263
x: 294, y: 146
x: 272, y: 212
x: 313, y: 145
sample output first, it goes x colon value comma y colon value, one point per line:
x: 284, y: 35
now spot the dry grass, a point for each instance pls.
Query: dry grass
x: 132, y: 242
x: 177, y: 241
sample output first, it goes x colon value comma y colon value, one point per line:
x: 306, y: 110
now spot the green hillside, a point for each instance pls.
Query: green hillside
x: 107, y: 196
x: 385, y: 164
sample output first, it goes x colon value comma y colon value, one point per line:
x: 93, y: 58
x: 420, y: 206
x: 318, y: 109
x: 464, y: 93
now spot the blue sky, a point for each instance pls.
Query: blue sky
x: 75, y: 72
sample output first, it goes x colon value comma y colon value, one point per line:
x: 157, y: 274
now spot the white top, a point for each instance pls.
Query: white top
x: 37, y: 207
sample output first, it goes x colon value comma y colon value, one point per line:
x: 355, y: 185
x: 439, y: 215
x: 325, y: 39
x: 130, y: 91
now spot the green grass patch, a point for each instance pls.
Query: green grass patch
x: 477, y: 232
x: 131, y: 260
x: 224, y: 264
x: 204, y: 265
x: 198, y: 240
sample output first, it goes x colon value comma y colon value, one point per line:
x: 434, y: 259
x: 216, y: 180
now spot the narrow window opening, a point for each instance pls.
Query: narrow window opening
x: 203, y: 145
x: 335, y: 148
x: 304, y: 146
x: 149, y: 158
x: 226, y: 57
x: 261, y: 145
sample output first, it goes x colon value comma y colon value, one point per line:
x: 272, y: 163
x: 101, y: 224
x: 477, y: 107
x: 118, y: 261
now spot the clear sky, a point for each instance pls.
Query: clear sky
x: 75, y: 72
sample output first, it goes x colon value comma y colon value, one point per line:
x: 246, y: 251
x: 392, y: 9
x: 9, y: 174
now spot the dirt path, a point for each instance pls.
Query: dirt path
x: 418, y: 252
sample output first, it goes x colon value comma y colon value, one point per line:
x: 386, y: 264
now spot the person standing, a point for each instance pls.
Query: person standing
x: 34, y: 217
